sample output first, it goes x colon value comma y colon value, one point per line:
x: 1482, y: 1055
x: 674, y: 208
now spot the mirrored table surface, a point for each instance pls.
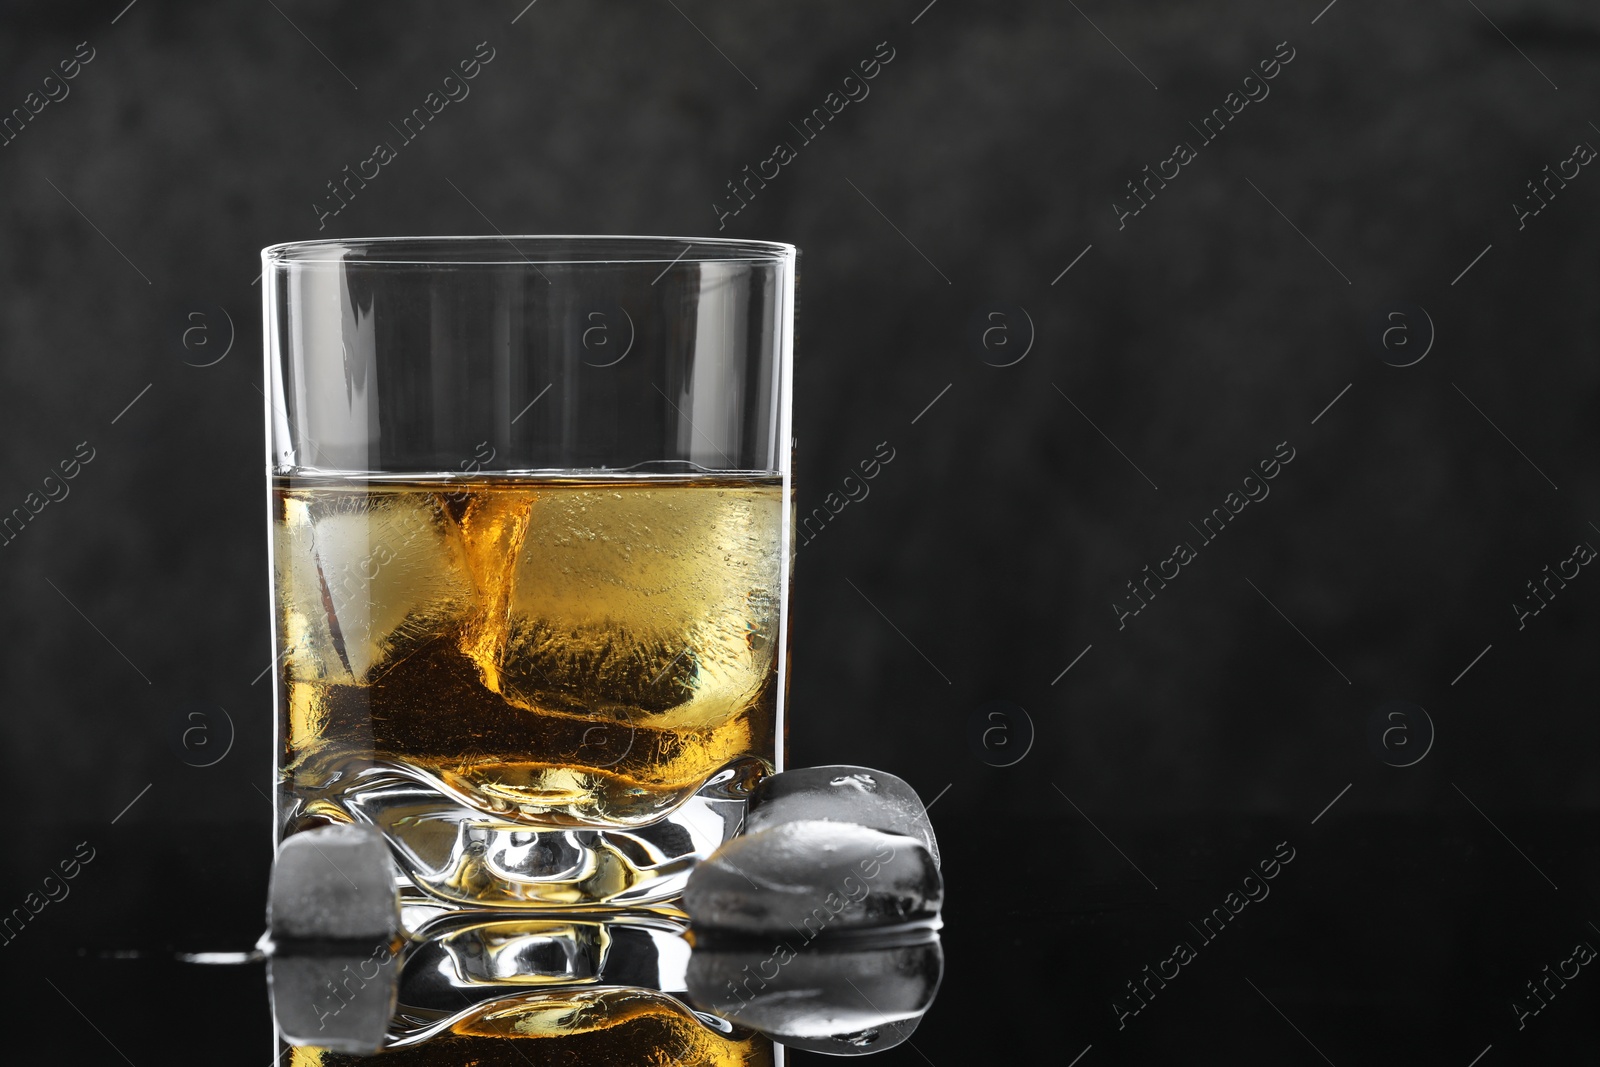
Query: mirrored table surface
x: 1337, y: 936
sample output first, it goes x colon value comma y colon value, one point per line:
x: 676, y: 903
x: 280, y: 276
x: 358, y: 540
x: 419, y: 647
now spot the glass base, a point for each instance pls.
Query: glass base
x: 453, y: 855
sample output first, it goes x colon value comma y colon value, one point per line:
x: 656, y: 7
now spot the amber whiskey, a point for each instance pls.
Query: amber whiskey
x: 603, y: 1025
x: 559, y: 651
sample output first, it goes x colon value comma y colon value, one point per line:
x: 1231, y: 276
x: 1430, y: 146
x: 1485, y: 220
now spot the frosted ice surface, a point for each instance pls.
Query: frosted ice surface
x: 662, y: 601
x: 365, y: 578
x: 842, y: 793
x: 812, y: 878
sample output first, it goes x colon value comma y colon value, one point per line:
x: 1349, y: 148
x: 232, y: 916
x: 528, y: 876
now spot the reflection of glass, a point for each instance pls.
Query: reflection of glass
x: 491, y: 989
x: 594, y: 991
x: 610, y: 1025
x: 537, y: 640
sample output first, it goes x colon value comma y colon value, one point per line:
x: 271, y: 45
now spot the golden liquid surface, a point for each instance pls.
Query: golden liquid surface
x: 621, y: 1026
x: 556, y: 651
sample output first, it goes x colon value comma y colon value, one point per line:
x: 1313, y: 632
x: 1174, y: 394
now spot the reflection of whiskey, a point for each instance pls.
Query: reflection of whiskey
x: 558, y: 651
x: 603, y: 1025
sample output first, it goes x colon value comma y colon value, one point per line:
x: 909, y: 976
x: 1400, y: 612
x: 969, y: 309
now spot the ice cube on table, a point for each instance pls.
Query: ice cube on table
x: 811, y: 877
x: 334, y: 883
x: 842, y: 793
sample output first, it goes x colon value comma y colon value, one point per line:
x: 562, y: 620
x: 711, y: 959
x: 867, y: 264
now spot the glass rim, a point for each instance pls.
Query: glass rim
x: 512, y: 249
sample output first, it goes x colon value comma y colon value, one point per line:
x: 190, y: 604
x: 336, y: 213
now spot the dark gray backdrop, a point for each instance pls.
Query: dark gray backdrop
x: 1378, y: 175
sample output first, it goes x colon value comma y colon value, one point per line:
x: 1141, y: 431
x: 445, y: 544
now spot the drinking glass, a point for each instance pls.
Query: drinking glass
x: 531, y: 543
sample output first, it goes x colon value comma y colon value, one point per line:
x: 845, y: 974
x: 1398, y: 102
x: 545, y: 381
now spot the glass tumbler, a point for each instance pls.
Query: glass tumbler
x: 531, y: 544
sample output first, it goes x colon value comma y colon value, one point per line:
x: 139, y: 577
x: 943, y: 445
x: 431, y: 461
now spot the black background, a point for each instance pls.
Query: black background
x: 1173, y: 355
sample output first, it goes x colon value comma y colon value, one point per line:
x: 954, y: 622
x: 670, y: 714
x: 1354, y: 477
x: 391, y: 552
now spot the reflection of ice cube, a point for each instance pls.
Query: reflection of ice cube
x: 366, y: 577
x: 849, y: 998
